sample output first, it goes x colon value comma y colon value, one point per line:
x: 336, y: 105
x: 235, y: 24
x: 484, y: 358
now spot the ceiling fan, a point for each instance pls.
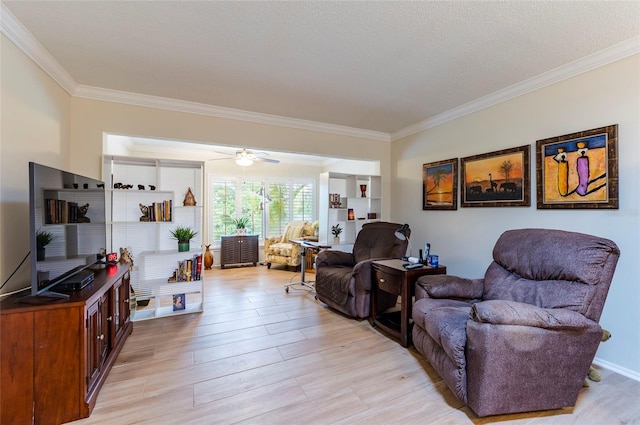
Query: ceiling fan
x: 246, y: 157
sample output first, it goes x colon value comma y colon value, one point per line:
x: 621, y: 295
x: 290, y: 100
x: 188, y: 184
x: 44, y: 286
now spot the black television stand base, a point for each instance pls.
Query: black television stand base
x: 43, y: 298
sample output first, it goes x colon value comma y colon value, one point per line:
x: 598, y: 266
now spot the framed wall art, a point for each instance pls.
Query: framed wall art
x: 496, y: 179
x: 578, y: 170
x: 440, y: 185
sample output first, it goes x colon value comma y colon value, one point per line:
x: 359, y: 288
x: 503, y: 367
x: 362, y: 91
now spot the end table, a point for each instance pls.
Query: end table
x: 390, y: 276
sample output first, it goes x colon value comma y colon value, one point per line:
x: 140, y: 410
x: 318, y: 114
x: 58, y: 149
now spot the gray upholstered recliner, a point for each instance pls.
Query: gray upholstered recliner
x: 343, y: 279
x: 523, y: 337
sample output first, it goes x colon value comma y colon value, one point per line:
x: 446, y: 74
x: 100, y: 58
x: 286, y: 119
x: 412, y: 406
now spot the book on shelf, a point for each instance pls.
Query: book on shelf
x: 59, y: 211
x: 160, y: 211
x: 188, y: 270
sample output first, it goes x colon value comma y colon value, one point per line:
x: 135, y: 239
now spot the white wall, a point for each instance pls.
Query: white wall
x: 464, y: 238
x: 35, y: 127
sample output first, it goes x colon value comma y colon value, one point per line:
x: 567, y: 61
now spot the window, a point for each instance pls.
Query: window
x: 268, y: 204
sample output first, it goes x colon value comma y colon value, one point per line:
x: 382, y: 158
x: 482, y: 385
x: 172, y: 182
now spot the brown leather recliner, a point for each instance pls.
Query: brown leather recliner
x: 343, y: 279
x: 523, y: 337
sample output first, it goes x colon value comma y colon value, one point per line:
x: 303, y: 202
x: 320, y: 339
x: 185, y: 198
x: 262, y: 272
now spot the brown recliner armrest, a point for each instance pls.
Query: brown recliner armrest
x: 334, y: 258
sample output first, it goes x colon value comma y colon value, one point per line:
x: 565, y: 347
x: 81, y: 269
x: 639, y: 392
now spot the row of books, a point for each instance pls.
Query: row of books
x: 59, y: 212
x: 160, y: 211
x: 188, y: 270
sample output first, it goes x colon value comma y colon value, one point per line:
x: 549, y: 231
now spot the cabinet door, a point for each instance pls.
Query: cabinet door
x: 16, y: 370
x: 93, y: 346
x: 98, y: 338
x: 230, y: 250
x: 121, y: 308
x: 57, y: 365
x: 249, y: 249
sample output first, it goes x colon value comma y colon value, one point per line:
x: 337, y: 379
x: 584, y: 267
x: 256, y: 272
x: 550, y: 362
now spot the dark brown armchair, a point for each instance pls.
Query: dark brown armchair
x: 343, y: 279
x: 523, y: 337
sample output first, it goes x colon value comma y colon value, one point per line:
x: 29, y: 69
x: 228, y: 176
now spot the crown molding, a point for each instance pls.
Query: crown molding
x: 137, y: 99
x: 30, y: 46
x: 595, y: 60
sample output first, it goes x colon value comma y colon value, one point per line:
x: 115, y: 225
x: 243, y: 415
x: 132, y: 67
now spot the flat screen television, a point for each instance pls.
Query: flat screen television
x: 68, y: 210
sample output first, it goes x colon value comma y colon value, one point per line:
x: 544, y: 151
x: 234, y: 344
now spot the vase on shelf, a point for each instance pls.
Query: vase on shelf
x: 363, y: 190
x: 183, y: 246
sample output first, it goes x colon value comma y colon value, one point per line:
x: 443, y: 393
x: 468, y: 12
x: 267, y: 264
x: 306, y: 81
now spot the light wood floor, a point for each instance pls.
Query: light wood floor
x: 260, y: 356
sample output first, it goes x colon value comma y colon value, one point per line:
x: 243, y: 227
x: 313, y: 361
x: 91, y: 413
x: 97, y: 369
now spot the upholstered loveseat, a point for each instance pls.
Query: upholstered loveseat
x: 523, y: 337
x: 280, y: 250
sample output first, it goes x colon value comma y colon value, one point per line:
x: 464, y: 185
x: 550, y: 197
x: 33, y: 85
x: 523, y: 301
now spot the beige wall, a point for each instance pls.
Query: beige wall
x: 464, y: 238
x: 35, y: 127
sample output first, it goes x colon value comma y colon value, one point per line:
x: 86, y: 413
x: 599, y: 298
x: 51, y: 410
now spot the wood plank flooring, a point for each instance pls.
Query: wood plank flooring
x: 258, y: 355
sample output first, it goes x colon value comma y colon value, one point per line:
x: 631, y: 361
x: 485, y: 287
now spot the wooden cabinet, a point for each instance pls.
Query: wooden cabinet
x: 390, y: 276
x: 238, y: 250
x: 56, y: 354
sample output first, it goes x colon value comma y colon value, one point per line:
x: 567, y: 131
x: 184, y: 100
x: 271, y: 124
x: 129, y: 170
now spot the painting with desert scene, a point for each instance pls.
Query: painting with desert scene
x: 496, y: 179
x: 440, y: 185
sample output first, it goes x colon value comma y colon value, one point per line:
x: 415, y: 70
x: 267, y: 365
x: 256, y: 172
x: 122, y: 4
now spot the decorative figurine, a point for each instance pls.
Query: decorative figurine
x: 126, y: 257
x: 145, y: 212
x: 208, y: 258
x: 140, y: 187
x: 189, y: 199
x: 82, y: 214
x: 152, y: 187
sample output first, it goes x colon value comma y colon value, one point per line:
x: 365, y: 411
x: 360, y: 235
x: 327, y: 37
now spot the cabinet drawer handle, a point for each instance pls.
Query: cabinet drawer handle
x: 381, y: 280
x: 110, y: 318
x: 101, y: 337
x: 126, y: 301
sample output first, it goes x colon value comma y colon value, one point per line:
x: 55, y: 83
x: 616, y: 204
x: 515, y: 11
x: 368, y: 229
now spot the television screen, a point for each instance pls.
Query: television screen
x: 67, y: 225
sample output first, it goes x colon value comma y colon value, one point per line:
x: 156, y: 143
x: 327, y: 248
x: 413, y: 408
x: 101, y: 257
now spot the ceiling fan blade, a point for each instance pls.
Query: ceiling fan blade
x: 273, y: 161
x: 259, y: 154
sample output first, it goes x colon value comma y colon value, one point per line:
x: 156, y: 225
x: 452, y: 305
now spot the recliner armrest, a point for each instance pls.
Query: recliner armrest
x: 503, y: 312
x: 446, y: 286
x: 334, y: 258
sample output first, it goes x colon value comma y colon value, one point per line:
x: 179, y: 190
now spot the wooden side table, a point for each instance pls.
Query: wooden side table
x: 390, y: 276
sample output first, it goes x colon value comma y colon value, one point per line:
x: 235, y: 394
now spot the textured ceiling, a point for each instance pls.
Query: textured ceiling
x: 379, y: 66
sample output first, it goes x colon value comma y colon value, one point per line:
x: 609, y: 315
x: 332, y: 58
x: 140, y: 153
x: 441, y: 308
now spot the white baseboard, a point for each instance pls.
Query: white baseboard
x: 617, y: 369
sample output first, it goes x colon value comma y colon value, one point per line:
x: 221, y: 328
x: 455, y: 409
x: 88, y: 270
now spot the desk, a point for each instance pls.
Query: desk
x: 307, y: 246
x: 390, y: 276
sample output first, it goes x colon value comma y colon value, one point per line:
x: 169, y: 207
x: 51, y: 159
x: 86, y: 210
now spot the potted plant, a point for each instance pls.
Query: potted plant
x: 183, y: 234
x: 241, y: 224
x: 336, y: 230
x: 43, y: 239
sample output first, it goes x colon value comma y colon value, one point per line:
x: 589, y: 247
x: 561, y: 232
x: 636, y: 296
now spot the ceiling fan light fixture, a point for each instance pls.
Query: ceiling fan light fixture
x: 244, y: 161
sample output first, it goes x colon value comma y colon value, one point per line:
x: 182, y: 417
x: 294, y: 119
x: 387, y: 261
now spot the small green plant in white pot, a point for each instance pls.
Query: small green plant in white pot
x: 241, y: 224
x: 335, y: 231
x: 183, y: 234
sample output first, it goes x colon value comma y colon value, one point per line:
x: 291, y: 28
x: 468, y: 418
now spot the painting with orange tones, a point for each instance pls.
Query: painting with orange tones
x: 578, y: 170
x: 496, y: 179
x: 440, y: 185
